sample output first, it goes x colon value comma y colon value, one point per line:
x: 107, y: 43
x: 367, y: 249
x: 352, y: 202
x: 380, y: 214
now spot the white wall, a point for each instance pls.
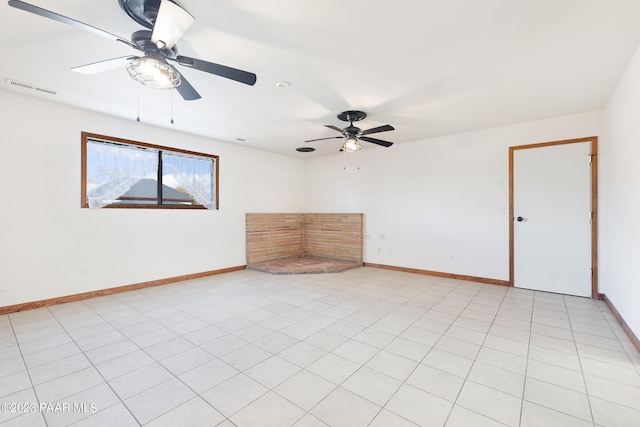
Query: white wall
x: 622, y: 238
x: 436, y: 197
x: 46, y: 239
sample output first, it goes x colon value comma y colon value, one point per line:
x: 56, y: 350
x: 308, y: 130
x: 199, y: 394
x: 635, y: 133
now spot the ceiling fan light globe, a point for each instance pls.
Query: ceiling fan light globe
x: 351, y: 145
x: 153, y: 72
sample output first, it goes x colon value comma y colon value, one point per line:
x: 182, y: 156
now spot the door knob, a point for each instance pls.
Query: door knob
x: 519, y: 219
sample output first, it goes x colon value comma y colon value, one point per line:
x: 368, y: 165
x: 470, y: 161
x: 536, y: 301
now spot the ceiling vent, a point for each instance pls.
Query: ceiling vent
x: 29, y: 86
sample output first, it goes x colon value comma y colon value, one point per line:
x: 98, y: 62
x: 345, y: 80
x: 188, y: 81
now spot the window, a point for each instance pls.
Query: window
x: 118, y: 173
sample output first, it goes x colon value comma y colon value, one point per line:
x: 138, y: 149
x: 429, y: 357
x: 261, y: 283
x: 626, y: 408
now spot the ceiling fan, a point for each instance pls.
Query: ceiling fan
x: 353, y: 135
x: 167, y: 22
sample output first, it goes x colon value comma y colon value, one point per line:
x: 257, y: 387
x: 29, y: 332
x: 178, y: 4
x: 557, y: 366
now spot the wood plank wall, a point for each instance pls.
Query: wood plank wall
x: 273, y: 236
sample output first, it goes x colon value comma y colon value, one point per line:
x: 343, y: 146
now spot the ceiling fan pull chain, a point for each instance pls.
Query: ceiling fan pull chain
x: 172, y: 90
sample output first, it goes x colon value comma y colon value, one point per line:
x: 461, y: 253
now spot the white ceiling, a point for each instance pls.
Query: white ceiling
x: 427, y: 67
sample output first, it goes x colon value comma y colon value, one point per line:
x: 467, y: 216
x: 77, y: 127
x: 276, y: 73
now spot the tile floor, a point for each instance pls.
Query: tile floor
x: 365, y: 347
x: 304, y: 265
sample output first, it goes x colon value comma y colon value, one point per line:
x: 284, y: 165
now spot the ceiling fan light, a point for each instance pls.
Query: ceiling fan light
x: 153, y: 71
x: 351, y: 145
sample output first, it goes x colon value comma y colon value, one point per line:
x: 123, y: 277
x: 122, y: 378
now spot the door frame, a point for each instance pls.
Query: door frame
x: 594, y: 206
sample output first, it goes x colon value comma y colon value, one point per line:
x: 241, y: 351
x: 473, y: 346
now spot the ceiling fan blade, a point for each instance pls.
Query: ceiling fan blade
x: 217, y: 69
x: 101, y: 66
x: 321, y: 139
x: 376, y: 141
x: 383, y: 128
x: 65, y: 20
x: 171, y: 23
x: 335, y: 128
x: 186, y: 91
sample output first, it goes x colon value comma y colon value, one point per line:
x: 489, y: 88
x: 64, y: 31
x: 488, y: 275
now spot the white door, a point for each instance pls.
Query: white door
x: 552, y: 218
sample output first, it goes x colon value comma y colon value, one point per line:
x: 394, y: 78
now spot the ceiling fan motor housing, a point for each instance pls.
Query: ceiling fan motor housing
x: 352, y: 130
x: 142, y: 39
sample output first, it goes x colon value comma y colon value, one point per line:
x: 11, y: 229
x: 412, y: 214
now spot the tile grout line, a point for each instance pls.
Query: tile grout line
x: 15, y: 335
x: 584, y: 381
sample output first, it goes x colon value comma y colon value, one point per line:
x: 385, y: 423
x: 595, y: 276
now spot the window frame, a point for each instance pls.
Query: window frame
x: 86, y: 136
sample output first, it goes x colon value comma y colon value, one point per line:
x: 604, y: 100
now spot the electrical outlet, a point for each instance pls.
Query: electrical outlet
x: 381, y: 236
x: 85, y: 271
x: 452, y: 257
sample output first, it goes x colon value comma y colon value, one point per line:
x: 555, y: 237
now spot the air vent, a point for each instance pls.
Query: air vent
x: 29, y: 86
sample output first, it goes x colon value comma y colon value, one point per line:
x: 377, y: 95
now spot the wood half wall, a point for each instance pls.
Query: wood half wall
x: 275, y: 236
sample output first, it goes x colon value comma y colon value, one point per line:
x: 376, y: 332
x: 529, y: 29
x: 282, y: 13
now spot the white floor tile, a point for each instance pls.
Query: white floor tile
x: 193, y: 413
x: 437, y: 382
x: 333, y: 368
x: 187, y: 360
x: 26, y: 396
x: 612, y: 391
x: 534, y: 415
x: 305, y: 389
x: 82, y: 405
x: 49, y: 355
x: 448, y: 362
x: 168, y: 348
x: 393, y: 365
x: 309, y: 420
x: 124, y: 364
x: 389, y: 419
x: 208, y: 375
x: 465, y: 334
x: 419, y: 407
x: 114, y: 415
x: 272, y: 371
x: 459, y: 347
x: 234, y: 394
x: 111, y: 351
x: 223, y: 345
x: 624, y: 375
x: 326, y: 340
x: 558, y: 398
x: 61, y: 387
x: 372, y: 385
x: 553, y: 343
x: 158, y: 400
x: 554, y: 357
x: 204, y: 335
x: 517, y: 347
x: 606, y: 413
x: 59, y: 368
x: 557, y: 375
x: 497, y: 379
x: 463, y: 417
x: 491, y: 403
x: 302, y: 354
x: 268, y: 410
x: 356, y: 351
x: 343, y: 408
x: 43, y: 344
x: 408, y: 348
x: 140, y: 380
